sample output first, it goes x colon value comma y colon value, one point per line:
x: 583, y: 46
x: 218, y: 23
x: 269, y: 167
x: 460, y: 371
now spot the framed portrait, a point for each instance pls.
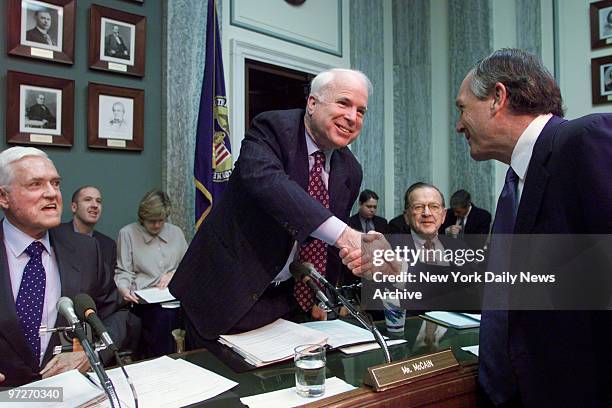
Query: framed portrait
x: 601, y: 24
x: 44, y: 112
x: 601, y: 77
x: 117, y: 41
x: 42, y: 29
x: 115, y: 117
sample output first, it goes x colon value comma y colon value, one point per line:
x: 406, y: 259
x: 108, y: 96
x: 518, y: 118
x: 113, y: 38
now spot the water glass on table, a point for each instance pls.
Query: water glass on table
x: 310, y: 370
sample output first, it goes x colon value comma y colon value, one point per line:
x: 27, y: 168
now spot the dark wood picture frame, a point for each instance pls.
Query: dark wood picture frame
x: 601, y: 69
x: 16, y: 109
x: 601, y: 36
x: 135, y: 117
x: 133, y: 63
x: 16, y: 46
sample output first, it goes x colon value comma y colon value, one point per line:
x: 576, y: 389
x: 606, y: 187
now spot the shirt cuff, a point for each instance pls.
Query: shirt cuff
x: 330, y: 230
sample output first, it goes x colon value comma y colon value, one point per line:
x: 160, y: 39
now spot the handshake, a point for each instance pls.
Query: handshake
x: 357, y: 253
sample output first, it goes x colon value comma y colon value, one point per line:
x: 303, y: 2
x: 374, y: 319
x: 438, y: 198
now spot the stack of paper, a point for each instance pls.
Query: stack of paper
x: 455, y: 320
x: 154, y: 295
x: 273, y: 342
x: 77, y: 391
x: 165, y: 382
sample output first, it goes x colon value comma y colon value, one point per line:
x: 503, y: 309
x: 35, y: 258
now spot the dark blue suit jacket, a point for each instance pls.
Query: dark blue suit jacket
x: 562, y: 358
x: 81, y: 271
x: 245, y: 241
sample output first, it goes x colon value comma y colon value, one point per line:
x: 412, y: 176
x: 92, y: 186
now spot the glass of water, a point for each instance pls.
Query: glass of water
x: 310, y: 370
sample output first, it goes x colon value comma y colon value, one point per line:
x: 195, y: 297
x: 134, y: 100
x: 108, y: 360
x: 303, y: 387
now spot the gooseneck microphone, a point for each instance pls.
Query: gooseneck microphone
x: 302, y: 274
x: 66, y: 309
x: 86, y: 311
x: 308, y: 269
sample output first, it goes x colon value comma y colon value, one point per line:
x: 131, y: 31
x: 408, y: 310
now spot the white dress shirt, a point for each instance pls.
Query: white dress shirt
x: 332, y: 228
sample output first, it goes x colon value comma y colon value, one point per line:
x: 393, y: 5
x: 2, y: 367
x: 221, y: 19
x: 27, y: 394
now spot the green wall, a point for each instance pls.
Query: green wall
x: 123, y: 177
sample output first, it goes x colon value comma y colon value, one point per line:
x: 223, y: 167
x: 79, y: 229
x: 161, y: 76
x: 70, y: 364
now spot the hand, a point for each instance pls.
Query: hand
x: 128, y: 295
x: 350, y: 239
x: 317, y: 313
x: 360, y: 261
x: 2, y: 377
x: 454, y: 230
x: 65, y: 362
x: 165, y: 280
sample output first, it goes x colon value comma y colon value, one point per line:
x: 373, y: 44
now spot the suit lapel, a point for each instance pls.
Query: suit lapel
x: 9, y: 323
x: 536, y: 179
x: 339, y: 191
x: 298, y: 156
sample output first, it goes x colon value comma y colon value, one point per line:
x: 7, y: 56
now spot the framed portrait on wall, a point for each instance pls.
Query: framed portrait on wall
x: 601, y: 77
x: 601, y: 24
x: 117, y: 41
x: 44, y: 112
x: 115, y: 117
x: 42, y: 29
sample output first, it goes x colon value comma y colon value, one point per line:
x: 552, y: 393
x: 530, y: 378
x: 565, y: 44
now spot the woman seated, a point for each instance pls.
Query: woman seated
x: 148, y: 253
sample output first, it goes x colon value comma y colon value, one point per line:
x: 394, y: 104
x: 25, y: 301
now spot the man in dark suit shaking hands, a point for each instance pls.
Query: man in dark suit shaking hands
x: 510, y: 109
x: 289, y: 198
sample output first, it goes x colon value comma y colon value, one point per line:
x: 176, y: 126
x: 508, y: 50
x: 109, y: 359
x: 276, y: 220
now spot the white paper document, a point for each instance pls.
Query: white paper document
x: 76, y: 391
x: 273, y: 342
x: 471, y: 349
x: 289, y: 398
x: 361, y: 348
x: 455, y: 320
x: 341, y: 333
x: 165, y: 382
x: 155, y: 295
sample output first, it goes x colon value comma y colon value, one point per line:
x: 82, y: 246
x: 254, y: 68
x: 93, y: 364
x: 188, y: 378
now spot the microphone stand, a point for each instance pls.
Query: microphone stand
x: 360, y: 317
x: 97, y: 367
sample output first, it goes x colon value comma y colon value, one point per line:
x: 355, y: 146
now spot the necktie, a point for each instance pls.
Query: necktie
x: 430, y: 256
x: 31, y: 297
x: 462, y: 225
x: 495, y: 372
x: 48, y: 39
x: 369, y: 225
x: 315, y: 251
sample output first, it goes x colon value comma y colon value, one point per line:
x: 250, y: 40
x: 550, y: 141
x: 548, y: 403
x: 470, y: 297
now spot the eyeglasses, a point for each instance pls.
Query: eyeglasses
x: 420, y: 208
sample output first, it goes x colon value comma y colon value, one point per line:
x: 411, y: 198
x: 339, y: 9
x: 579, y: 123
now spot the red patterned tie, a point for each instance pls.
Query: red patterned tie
x: 315, y: 251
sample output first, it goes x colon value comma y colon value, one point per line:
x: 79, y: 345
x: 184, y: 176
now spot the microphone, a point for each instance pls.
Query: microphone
x: 66, y: 308
x: 308, y: 269
x: 86, y: 310
x: 300, y: 273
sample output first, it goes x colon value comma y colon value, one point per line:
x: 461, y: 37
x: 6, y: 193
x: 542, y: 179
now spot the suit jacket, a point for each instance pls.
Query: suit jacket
x: 107, y: 245
x: 35, y: 35
x: 41, y: 112
x: 246, y: 239
x: 398, y: 225
x: 380, y: 224
x: 80, y: 266
x: 119, y: 47
x: 478, y: 223
x: 559, y: 357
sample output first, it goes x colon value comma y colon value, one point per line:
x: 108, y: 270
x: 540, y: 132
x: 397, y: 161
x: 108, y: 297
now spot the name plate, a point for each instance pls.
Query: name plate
x: 394, y: 374
x: 38, y: 52
x: 41, y: 138
x: 116, y: 143
x: 117, y: 67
